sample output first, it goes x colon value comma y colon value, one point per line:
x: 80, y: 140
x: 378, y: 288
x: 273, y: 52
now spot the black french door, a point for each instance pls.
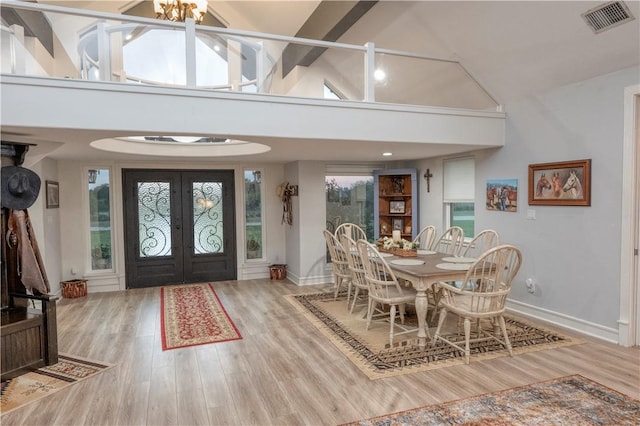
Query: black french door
x: 179, y: 226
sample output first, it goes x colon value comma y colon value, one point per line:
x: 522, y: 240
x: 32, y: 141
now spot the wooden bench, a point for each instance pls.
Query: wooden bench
x: 29, y: 338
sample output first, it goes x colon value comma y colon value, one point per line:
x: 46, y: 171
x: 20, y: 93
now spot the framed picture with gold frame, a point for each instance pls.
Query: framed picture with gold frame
x: 566, y: 183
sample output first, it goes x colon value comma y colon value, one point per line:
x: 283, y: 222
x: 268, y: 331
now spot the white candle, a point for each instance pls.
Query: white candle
x: 396, y: 236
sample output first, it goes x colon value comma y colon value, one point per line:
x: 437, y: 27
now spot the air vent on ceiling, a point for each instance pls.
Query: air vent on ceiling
x: 607, y: 16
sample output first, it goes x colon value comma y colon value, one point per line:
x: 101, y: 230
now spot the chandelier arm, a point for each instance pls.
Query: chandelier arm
x: 178, y: 10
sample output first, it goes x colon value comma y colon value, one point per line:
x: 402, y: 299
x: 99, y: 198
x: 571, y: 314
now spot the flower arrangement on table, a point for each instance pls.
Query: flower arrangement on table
x: 400, y: 247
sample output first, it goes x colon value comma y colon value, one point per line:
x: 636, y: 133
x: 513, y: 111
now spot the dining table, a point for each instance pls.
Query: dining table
x: 423, y: 271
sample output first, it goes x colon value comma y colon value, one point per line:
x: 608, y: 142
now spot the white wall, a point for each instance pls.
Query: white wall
x: 573, y: 253
x: 51, y: 237
x: 305, y: 243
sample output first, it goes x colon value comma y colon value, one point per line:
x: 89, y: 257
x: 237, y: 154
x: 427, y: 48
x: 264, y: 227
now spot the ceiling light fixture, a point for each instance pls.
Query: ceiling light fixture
x: 182, y: 139
x: 379, y: 75
x: 178, y: 10
x: 387, y: 154
x: 204, y: 203
x: 169, y: 146
x: 93, y: 175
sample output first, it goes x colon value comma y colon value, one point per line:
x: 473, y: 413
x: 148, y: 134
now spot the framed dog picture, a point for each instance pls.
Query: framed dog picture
x: 567, y: 183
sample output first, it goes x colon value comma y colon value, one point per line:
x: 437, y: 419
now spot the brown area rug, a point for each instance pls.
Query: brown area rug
x: 571, y: 400
x: 47, y: 380
x: 193, y: 315
x: 370, y: 350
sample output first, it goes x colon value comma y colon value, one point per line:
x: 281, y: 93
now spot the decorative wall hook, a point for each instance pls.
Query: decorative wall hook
x: 428, y: 176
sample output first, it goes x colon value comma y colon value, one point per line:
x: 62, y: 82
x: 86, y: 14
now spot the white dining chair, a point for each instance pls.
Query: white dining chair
x: 384, y: 289
x: 426, y: 237
x: 482, y: 296
x: 450, y: 242
x: 360, y: 286
x: 339, y: 263
x: 352, y: 230
x: 482, y: 242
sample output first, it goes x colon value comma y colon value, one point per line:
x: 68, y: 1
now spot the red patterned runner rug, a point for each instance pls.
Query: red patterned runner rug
x: 193, y: 315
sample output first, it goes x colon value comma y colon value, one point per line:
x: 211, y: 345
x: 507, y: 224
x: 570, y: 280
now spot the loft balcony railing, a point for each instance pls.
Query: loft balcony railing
x: 105, y: 47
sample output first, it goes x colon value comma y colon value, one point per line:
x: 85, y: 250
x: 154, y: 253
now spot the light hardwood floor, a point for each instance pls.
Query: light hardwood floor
x: 283, y: 372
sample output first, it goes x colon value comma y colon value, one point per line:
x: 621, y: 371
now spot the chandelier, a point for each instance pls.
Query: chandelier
x: 178, y: 11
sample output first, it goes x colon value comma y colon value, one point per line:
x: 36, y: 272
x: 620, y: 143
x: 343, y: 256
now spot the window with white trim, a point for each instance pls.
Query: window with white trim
x: 253, y: 214
x: 329, y: 92
x: 100, y: 230
x: 349, y: 196
x: 459, y: 194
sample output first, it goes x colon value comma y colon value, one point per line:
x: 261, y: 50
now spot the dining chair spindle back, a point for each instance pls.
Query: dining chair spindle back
x: 482, y: 242
x: 357, y: 269
x: 384, y: 289
x: 352, y: 230
x: 339, y: 263
x: 426, y: 237
x: 450, y: 242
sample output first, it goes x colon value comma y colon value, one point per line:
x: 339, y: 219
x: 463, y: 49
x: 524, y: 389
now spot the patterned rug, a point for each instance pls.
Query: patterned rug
x: 370, y: 351
x: 571, y: 400
x: 47, y: 380
x: 193, y: 315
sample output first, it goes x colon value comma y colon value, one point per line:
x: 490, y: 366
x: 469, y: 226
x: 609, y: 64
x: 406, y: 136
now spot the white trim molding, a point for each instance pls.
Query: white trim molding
x: 106, y: 282
x: 555, y: 318
x: 629, y: 286
x: 309, y: 280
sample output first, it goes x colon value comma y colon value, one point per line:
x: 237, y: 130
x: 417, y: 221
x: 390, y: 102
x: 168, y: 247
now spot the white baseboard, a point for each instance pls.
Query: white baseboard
x: 253, y: 271
x: 104, y: 283
x: 313, y: 280
x: 555, y: 318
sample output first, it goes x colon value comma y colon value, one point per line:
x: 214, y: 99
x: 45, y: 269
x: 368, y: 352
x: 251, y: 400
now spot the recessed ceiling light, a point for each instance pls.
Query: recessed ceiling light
x: 379, y: 75
x: 387, y: 154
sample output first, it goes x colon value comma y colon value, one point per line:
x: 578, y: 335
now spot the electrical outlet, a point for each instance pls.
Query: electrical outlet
x: 531, y: 285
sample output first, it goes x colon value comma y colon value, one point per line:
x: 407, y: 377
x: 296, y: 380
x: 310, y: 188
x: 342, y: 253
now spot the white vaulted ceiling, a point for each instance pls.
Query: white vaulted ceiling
x: 512, y: 47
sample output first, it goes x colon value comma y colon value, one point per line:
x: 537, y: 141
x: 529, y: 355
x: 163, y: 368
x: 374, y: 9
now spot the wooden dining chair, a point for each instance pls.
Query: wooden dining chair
x: 384, y: 289
x: 339, y: 263
x: 426, y: 237
x: 482, y: 296
x: 482, y: 242
x: 357, y: 269
x: 352, y: 230
x: 450, y: 242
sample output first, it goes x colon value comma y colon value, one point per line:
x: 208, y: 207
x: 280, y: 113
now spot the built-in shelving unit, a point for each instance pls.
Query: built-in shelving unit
x: 396, y: 202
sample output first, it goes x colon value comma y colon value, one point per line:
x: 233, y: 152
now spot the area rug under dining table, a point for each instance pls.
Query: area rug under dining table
x: 569, y: 401
x: 370, y: 351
